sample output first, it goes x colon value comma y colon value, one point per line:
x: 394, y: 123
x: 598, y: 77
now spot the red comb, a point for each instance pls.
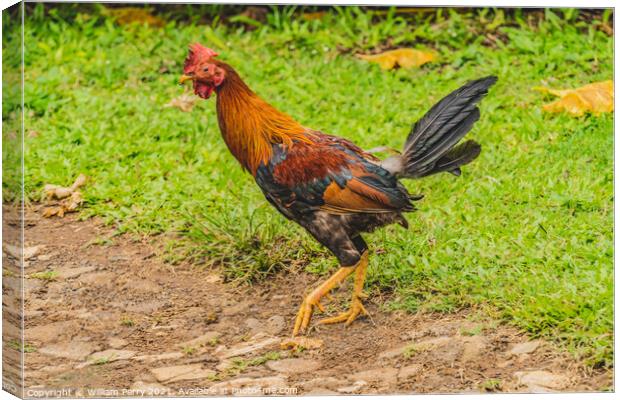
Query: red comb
x: 197, y: 53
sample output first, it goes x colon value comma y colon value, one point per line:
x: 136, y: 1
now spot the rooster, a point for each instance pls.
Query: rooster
x: 328, y: 185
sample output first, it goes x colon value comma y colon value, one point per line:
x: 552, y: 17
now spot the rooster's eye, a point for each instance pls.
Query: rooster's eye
x: 206, y: 69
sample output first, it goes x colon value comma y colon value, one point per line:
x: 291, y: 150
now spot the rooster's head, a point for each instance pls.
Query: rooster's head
x: 203, y: 70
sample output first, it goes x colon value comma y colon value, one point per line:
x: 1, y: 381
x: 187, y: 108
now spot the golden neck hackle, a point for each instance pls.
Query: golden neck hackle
x: 249, y: 125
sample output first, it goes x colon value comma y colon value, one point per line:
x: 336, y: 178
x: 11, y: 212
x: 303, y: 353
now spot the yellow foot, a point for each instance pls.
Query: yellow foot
x: 305, y: 313
x: 355, y: 310
x: 312, y: 300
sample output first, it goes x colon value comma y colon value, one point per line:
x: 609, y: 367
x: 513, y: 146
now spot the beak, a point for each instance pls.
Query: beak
x: 184, y: 78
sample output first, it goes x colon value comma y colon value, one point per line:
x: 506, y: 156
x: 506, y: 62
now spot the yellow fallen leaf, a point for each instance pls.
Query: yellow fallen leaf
x: 404, y: 58
x: 301, y: 342
x: 134, y: 15
x: 312, y: 16
x: 596, y: 98
x: 184, y: 102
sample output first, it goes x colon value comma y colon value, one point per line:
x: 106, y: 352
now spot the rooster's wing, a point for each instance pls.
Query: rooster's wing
x: 330, y: 174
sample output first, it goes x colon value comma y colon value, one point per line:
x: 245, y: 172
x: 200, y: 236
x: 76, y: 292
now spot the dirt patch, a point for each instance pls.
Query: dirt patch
x: 112, y: 318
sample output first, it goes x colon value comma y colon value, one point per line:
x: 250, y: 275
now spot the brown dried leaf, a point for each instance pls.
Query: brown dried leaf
x: 70, y: 204
x: 302, y: 342
x: 596, y: 98
x: 403, y: 58
x: 184, y: 102
x: 607, y: 29
x: 70, y: 198
x: 59, y: 192
x: 135, y: 15
x: 56, y: 192
x: 79, y: 182
x: 256, y: 13
x: 55, y: 210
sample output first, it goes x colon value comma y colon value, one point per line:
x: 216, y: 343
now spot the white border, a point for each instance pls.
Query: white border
x: 444, y: 3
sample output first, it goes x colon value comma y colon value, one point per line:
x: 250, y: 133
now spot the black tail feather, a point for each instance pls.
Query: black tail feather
x: 460, y: 155
x: 430, y: 147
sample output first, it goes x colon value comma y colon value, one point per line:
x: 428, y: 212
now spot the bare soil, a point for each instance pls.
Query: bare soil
x: 105, y: 316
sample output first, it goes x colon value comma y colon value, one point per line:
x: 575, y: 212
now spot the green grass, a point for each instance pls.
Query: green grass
x: 101, y: 361
x: 44, y: 275
x: 239, y: 364
x: 525, y: 234
x: 491, y: 385
x: 17, y: 345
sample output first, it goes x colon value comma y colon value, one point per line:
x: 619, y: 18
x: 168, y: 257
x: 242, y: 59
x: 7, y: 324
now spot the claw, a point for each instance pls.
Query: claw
x: 305, y: 313
x: 347, y: 317
x: 299, y: 319
x: 334, y: 320
x: 357, y: 307
x: 312, y: 300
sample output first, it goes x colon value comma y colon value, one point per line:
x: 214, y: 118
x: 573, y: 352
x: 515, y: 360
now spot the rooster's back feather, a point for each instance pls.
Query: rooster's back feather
x: 332, y: 175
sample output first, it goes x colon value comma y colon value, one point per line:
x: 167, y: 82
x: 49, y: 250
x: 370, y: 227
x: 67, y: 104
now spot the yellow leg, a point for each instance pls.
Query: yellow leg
x: 312, y: 300
x: 357, y: 307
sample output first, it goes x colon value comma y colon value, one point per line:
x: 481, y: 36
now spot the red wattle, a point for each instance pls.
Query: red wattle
x: 203, y: 90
